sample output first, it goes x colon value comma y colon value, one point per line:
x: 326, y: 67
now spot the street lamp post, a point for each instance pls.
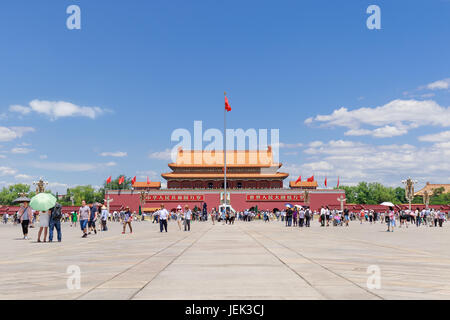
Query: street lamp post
x: 426, y: 199
x: 40, y: 185
x: 409, y: 190
x: 341, y: 199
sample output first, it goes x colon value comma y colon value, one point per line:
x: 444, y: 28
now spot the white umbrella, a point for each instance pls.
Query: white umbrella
x: 387, y: 204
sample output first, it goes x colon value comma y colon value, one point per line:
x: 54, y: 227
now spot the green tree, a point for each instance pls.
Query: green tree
x: 9, y: 194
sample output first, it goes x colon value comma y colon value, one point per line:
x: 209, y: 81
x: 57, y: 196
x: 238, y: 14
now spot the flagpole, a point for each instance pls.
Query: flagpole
x: 225, y: 155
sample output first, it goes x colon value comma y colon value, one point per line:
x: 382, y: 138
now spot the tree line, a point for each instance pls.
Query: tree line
x: 376, y: 193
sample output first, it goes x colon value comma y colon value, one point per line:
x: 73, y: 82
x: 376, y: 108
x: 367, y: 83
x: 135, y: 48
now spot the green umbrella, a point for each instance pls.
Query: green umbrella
x: 43, y: 202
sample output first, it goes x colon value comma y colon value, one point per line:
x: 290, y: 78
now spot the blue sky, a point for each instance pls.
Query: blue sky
x: 141, y: 69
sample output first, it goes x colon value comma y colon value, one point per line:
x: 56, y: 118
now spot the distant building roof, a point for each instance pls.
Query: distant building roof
x: 277, y: 175
x: 235, y: 158
x: 303, y: 184
x: 430, y: 187
x: 152, y: 185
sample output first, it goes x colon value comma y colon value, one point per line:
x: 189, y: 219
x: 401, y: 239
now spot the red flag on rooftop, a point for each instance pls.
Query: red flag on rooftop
x: 148, y: 180
x: 227, y: 104
x: 108, y: 181
x: 121, y: 180
x: 326, y: 185
x: 133, y: 181
x: 311, y: 179
x: 298, y: 180
x: 338, y: 183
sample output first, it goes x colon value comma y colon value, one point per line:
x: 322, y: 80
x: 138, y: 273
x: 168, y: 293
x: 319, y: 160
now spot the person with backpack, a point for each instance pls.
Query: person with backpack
x: 55, y: 222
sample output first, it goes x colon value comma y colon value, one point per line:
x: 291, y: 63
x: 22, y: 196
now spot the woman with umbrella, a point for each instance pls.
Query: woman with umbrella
x: 42, y: 202
x: 25, y: 214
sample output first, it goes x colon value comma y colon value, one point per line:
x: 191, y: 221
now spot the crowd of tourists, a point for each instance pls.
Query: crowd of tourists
x: 94, y: 218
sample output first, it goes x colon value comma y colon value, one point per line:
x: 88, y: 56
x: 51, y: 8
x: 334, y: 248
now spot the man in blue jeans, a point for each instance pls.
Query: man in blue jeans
x: 55, y: 221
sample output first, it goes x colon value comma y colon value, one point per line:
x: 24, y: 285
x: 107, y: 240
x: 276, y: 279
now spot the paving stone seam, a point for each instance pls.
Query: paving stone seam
x: 171, y: 262
x: 319, y: 264
x: 132, y: 266
x: 287, y: 266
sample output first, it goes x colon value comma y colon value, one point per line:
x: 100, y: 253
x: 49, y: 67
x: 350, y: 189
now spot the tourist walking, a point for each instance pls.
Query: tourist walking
x: 5, y: 218
x: 44, y: 219
x: 84, y: 213
x: 213, y: 215
x: 127, y: 219
x: 301, y: 217
x: 346, y: 217
x: 295, y: 217
x: 187, y: 218
x: 390, y: 220
x: 74, y: 217
x: 25, y: 215
x: 308, y: 216
x: 179, y: 214
x: 92, y: 218
x: 322, y: 216
x: 104, y: 218
x: 55, y: 222
x: 162, y: 216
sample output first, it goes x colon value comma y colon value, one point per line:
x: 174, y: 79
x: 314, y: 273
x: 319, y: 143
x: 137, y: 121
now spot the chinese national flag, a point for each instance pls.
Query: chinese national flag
x: 108, y: 181
x: 227, y: 105
x: 298, y: 180
x: 148, y: 180
x: 311, y: 179
x: 133, y: 181
x: 326, y: 185
x: 121, y: 180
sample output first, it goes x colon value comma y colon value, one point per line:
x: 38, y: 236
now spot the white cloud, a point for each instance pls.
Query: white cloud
x: 118, y: 154
x: 6, y: 171
x: 161, y: 155
x: 23, y: 177
x: 152, y: 175
x: 392, y: 119
x: 43, y: 156
x: 11, y: 133
x: 20, y: 109
x: 19, y: 150
x: 439, y: 85
x: 388, y: 164
x: 389, y: 131
x: 315, y: 144
x: 58, y: 109
x: 438, y: 137
x: 288, y: 145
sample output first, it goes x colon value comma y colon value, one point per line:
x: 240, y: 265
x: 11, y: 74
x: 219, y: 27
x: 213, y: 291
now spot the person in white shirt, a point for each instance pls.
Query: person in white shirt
x: 323, y: 212
x: 187, y: 218
x: 163, y: 214
x: 104, y: 218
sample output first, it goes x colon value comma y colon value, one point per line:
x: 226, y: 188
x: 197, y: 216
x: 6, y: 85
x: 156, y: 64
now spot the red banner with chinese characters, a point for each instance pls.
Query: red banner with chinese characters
x: 276, y: 197
x: 172, y: 197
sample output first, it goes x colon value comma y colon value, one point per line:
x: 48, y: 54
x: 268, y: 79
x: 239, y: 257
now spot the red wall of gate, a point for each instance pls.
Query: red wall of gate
x: 238, y: 201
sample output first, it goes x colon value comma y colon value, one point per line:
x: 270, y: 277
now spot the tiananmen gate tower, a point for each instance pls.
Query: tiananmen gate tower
x: 253, y: 179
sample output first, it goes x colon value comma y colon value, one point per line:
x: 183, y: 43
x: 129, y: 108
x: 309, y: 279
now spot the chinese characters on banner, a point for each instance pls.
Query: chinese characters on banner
x: 151, y: 198
x: 276, y: 197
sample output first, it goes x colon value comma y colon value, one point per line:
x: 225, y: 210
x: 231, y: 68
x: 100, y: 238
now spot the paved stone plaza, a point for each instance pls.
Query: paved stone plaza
x: 243, y: 261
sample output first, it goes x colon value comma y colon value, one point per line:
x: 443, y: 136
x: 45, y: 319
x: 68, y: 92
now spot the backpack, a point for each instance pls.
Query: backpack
x: 56, y: 212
